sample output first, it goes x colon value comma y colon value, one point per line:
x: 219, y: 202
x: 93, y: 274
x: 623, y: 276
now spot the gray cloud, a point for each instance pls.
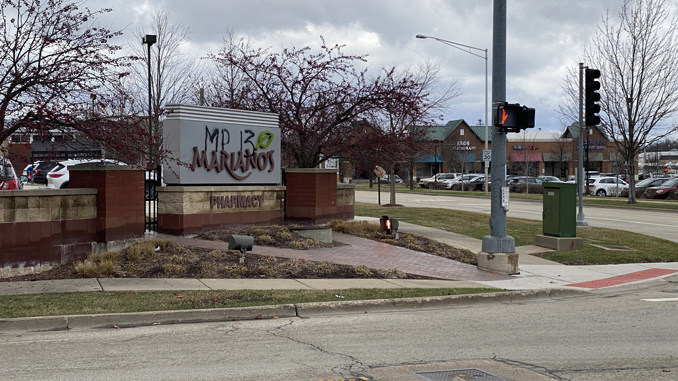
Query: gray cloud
x: 545, y: 37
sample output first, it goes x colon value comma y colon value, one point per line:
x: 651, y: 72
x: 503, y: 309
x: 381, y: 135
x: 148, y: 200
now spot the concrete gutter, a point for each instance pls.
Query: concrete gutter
x: 302, y: 310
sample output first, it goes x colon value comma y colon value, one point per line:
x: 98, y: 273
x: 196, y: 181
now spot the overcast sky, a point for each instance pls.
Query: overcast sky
x: 544, y: 37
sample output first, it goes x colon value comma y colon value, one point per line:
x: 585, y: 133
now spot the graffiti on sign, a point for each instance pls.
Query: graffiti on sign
x: 238, y: 164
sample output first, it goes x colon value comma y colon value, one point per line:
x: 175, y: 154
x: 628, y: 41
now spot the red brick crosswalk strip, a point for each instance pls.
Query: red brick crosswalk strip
x: 621, y: 279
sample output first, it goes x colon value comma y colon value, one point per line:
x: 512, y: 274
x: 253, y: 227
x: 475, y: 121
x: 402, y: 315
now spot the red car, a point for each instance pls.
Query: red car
x: 668, y: 190
x: 8, y: 178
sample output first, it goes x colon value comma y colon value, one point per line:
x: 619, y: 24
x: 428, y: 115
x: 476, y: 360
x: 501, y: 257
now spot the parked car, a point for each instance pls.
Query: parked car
x: 607, y: 186
x: 59, y: 178
x: 668, y: 190
x: 8, y: 177
x: 386, y: 179
x: 41, y: 169
x: 641, y: 186
x: 476, y: 184
x: 549, y: 179
x: 440, y: 177
x: 521, y: 183
x: 456, y: 183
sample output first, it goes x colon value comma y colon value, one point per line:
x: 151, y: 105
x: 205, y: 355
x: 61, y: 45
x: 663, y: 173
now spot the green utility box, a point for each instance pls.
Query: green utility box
x: 560, y: 208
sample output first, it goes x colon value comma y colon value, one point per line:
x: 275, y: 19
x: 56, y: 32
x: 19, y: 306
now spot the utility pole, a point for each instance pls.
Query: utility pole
x: 498, y: 249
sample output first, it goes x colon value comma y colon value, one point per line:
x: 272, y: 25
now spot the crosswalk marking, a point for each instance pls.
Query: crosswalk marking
x: 661, y: 300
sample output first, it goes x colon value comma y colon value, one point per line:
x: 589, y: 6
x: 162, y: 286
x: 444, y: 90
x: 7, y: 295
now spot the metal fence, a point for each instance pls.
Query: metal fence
x: 151, y: 183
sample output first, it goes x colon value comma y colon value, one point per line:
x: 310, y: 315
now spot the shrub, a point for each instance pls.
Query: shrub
x: 298, y: 245
x: 362, y: 270
x: 391, y: 273
x: 217, y: 254
x: 264, y: 240
x: 359, y: 228
x: 91, y: 269
x: 325, y: 269
x: 268, y: 271
x: 235, y: 270
x: 141, y: 249
x: 172, y: 269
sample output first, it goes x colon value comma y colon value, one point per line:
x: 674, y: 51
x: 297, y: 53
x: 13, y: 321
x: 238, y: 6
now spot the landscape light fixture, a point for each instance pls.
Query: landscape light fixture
x: 389, y: 225
x: 243, y: 243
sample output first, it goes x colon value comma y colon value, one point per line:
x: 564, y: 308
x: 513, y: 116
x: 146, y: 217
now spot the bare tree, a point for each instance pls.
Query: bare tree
x: 400, y: 122
x: 319, y: 96
x: 637, y: 55
x: 226, y: 85
x: 174, y: 71
x: 524, y: 163
x: 561, y: 149
x: 54, y: 57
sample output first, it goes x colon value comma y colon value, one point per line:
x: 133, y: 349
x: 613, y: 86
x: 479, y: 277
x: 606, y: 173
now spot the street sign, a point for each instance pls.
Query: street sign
x: 665, y: 170
x: 487, y: 155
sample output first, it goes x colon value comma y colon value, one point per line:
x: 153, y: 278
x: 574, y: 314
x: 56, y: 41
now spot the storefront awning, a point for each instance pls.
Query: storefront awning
x: 430, y: 158
x: 557, y: 157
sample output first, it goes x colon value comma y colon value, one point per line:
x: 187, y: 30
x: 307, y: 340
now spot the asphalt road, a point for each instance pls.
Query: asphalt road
x: 605, y: 336
x: 662, y: 224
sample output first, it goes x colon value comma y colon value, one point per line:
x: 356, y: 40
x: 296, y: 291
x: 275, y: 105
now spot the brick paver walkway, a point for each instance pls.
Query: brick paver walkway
x: 373, y: 254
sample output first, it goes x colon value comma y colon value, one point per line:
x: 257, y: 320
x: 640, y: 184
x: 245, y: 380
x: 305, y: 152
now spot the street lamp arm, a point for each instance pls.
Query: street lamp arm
x: 457, y: 45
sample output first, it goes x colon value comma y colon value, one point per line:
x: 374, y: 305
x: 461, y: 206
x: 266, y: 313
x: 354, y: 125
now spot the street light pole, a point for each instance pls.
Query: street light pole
x: 463, y: 48
x: 149, y: 40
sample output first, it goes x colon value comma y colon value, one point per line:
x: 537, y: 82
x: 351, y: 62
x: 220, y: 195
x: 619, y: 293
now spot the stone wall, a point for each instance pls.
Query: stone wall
x: 46, y: 227
x: 190, y: 210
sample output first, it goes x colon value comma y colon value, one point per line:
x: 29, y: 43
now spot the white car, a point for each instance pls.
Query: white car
x: 58, y: 177
x: 439, y: 177
x: 465, y: 178
x: 607, y: 186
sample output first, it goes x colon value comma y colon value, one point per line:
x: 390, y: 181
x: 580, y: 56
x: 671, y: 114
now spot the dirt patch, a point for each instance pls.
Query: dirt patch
x: 165, y: 259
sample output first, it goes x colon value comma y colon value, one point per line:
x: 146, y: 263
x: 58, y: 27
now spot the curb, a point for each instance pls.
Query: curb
x: 386, y: 305
x: 137, y: 319
x: 302, y: 310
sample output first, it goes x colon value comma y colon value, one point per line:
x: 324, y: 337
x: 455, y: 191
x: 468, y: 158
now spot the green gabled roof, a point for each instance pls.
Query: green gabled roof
x: 480, y: 132
x: 573, y: 130
x: 437, y: 133
x: 440, y: 133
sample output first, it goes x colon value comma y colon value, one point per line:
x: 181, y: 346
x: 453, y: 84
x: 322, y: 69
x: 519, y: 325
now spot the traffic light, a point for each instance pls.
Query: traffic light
x: 514, y: 117
x: 592, y: 97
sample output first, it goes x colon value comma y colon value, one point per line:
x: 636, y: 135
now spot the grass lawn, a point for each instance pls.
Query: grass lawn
x: 645, y: 248
x: 118, y: 302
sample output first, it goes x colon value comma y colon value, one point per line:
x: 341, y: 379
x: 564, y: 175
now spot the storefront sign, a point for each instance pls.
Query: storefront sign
x: 224, y: 202
x: 526, y: 147
x: 221, y: 146
x: 464, y: 146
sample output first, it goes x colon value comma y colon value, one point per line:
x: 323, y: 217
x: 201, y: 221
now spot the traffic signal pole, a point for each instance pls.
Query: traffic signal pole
x: 498, y: 243
x: 580, y: 173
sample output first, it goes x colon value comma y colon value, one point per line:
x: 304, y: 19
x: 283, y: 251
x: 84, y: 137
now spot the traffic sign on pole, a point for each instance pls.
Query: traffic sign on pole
x: 487, y: 155
x: 665, y: 170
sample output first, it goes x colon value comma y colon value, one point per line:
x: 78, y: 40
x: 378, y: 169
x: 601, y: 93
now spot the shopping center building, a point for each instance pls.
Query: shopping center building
x: 458, y: 147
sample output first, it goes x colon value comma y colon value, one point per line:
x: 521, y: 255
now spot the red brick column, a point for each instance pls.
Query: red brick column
x: 311, y: 196
x: 120, y: 199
